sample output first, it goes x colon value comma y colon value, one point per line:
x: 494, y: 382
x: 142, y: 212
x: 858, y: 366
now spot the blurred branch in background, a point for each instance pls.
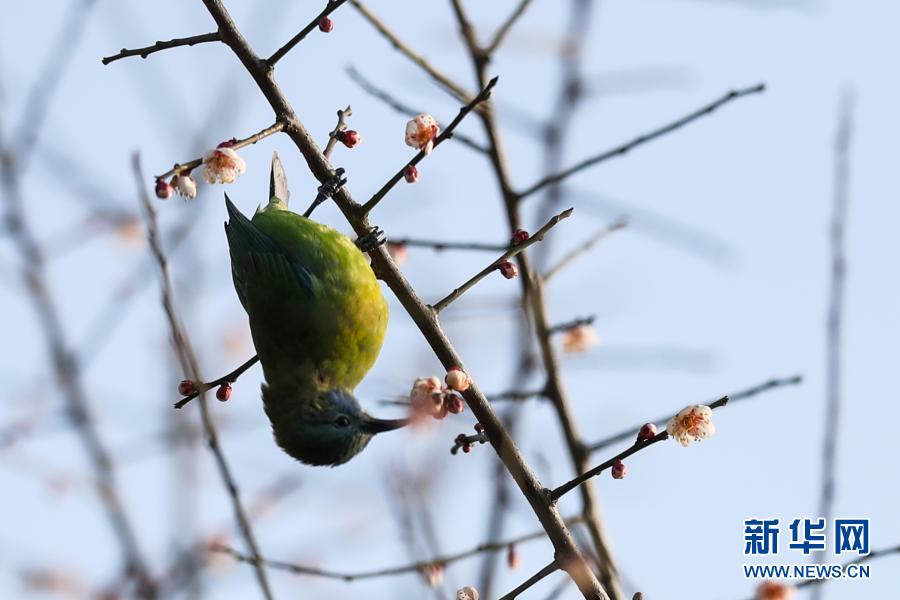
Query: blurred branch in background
x: 834, y: 349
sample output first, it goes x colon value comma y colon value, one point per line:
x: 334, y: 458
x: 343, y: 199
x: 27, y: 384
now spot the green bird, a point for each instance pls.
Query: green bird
x: 317, y: 317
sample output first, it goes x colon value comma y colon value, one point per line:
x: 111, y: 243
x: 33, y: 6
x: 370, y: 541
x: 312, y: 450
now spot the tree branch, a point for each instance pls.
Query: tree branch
x: 238, y: 144
x: 638, y: 445
x: 414, y: 567
x: 507, y: 25
x: 173, y: 43
x: 227, y: 378
x: 332, y: 6
x: 445, y: 135
x: 583, y: 248
x: 642, y: 139
x: 513, y: 251
x: 442, y: 245
x: 548, y: 570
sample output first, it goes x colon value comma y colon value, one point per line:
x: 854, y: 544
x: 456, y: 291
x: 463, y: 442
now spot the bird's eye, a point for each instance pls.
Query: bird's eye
x: 342, y: 421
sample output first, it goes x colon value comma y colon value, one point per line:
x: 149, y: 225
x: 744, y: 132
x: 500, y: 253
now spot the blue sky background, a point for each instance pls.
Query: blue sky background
x: 751, y: 185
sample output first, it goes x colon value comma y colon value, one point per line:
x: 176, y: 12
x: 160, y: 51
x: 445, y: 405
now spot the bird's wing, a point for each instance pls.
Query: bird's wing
x: 257, y: 260
x: 278, y: 187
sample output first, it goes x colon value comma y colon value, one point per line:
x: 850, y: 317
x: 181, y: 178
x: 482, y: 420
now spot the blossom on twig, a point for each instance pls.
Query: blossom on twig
x: 223, y: 165
x: 692, y: 424
x: 421, y: 131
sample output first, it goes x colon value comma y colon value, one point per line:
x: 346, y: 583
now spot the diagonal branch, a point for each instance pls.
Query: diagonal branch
x: 188, y: 360
x: 332, y: 6
x: 445, y: 135
x: 238, y: 144
x: 442, y: 245
x: 173, y: 43
x: 507, y: 25
x: 583, y: 248
x: 548, y: 570
x: 643, y: 139
x: 514, y: 251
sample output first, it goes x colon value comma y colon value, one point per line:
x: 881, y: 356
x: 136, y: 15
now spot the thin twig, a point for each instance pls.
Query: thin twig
x: 562, y: 327
x: 513, y: 251
x: 642, y: 139
x: 441, y: 245
x: 455, y: 89
x: 445, y: 135
x: 227, y: 378
x: 548, y: 570
x: 187, y: 167
x: 414, y: 567
x: 631, y: 432
x: 835, y: 319
x: 213, y: 36
x: 332, y: 6
x: 583, y: 248
x: 405, y: 109
x: 333, y: 135
x: 880, y: 553
x: 637, y: 446
x: 189, y: 363
x: 507, y: 25
x: 565, y: 550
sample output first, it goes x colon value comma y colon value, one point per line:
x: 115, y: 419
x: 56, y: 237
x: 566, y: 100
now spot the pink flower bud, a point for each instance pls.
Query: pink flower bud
x: 227, y: 143
x: 434, y: 575
x: 519, y: 236
x: 349, y: 138
x: 508, y: 269
x: 512, y: 557
x: 421, y: 132
x: 163, y: 189
x: 648, y: 431
x: 411, y: 174
x: 187, y: 387
x: 479, y: 428
x: 224, y: 392
x: 457, y: 380
x: 619, y: 470
x: 326, y: 25
x: 455, y: 404
x: 467, y: 448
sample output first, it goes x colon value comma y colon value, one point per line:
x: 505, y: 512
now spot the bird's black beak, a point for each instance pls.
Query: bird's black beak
x: 372, y: 425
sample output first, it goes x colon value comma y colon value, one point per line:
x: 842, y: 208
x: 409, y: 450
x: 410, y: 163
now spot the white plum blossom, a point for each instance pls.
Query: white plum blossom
x: 223, y: 165
x: 185, y: 186
x: 467, y: 593
x: 421, y: 131
x: 692, y: 424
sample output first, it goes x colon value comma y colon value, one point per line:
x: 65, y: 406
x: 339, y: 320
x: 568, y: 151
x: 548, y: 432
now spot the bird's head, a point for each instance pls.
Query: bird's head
x: 328, y: 428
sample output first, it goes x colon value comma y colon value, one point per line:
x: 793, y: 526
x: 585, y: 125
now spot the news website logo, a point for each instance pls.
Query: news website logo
x: 803, y: 537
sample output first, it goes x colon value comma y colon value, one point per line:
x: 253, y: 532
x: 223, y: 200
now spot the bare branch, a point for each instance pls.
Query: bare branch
x: 835, y: 319
x: 445, y: 135
x: 238, y: 144
x: 414, y: 567
x: 548, y: 570
x: 455, y: 89
x: 442, y: 245
x: 643, y: 139
x: 583, y: 248
x: 515, y: 250
x: 189, y: 363
x: 507, y: 25
x: 332, y: 6
x: 173, y: 43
